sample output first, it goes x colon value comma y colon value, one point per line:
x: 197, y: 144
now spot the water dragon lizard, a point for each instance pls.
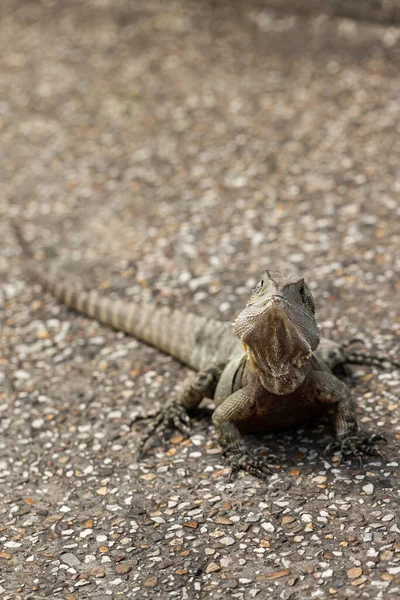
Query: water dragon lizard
x: 270, y: 371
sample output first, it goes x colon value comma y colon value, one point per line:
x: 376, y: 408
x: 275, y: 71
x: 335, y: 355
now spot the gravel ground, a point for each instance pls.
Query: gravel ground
x: 174, y: 150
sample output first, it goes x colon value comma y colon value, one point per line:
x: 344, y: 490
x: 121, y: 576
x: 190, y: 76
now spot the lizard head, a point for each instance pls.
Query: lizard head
x: 279, y: 332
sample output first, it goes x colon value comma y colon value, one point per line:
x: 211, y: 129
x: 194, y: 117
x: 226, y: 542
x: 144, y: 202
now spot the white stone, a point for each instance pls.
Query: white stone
x: 306, y: 518
x: 327, y: 573
x: 158, y: 520
x: 12, y: 545
x: 227, y: 541
x: 19, y: 374
x: 86, y: 533
x: 268, y: 527
x: 388, y: 517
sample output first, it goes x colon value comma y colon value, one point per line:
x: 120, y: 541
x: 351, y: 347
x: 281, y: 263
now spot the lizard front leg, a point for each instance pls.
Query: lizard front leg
x: 239, y: 406
x: 175, y: 412
x: 349, y: 439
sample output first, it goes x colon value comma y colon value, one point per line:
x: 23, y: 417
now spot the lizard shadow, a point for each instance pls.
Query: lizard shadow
x: 287, y: 447
x: 301, y: 446
x: 305, y: 445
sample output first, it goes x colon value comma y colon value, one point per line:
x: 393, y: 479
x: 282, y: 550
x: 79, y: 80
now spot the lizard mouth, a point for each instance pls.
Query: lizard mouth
x: 261, y: 304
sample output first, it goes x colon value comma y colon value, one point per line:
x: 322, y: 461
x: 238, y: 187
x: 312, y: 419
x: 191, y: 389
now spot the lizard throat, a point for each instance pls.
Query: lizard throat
x: 279, y: 342
x: 283, y: 381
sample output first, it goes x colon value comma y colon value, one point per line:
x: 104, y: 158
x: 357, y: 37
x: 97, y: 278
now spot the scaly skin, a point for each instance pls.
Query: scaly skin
x: 278, y: 374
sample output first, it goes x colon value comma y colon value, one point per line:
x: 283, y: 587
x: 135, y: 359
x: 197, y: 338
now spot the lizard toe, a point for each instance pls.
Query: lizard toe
x: 377, y: 437
x: 179, y: 419
x: 173, y: 416
x: 181, y: 425
x: 331, y: 447
x: 357, y: 445
x: 251, y: 464
x: 151, y: 431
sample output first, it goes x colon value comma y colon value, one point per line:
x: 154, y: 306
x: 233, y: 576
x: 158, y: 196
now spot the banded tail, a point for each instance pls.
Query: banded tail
x: 194, y: 340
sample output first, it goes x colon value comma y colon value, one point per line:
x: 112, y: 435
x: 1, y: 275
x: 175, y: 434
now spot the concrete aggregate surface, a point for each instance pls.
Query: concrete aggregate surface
x: 173, y: 151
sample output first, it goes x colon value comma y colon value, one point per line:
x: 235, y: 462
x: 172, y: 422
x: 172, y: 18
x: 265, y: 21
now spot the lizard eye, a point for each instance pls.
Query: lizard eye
x: 258, y: 286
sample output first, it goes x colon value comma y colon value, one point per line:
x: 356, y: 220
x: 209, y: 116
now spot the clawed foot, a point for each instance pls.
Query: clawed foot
x: 173, y: 416
x: 356, y: 445
x: 245, y: 461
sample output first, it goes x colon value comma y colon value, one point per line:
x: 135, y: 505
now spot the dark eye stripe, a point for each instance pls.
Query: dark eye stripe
x: 307, y: 298
x: 258, y: 286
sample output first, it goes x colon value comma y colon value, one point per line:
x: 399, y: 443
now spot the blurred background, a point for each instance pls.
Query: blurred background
x: 206, y: 141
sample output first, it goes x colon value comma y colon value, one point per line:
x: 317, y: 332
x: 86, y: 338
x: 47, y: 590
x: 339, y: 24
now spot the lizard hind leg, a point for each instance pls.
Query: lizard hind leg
x: 354, y: 356
x: 337, y: 356
x: 357, y: 357
x: 175, y: 413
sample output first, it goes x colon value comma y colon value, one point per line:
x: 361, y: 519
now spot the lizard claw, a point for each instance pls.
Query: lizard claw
x: 172, y: 416
x: 357, y: 445
x: 245, y: 461
x: 181, y: 420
